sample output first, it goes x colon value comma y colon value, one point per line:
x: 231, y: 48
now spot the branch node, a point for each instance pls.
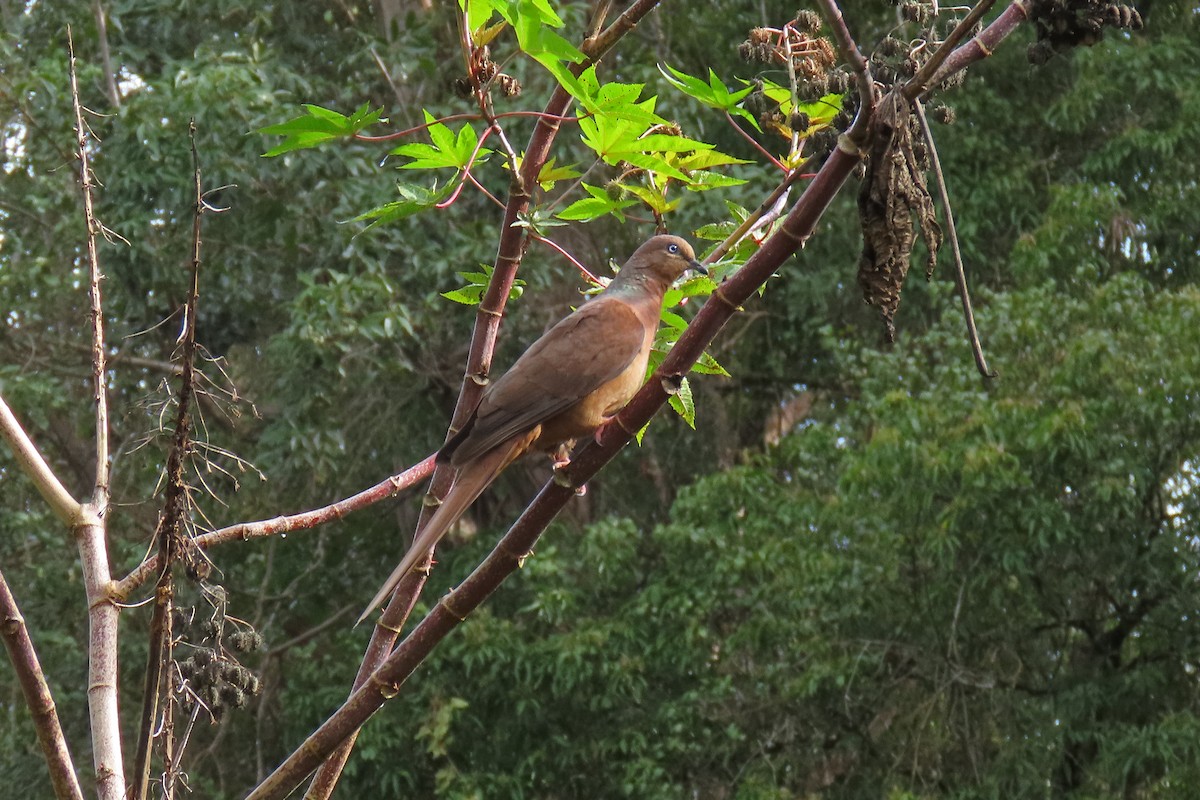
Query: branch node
x: 447, y: 603
x: 720, y: 295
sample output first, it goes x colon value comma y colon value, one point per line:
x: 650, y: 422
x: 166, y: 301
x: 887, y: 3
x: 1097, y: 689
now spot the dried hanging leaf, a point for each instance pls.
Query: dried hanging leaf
x: 893, y: 193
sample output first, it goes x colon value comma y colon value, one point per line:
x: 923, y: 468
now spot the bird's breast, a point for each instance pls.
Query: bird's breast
x: 583, y: 418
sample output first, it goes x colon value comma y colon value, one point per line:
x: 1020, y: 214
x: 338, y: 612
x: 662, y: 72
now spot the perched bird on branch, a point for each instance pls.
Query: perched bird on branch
x: 565, y: 386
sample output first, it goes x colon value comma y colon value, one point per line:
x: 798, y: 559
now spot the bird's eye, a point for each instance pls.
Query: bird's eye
x: 672, y: 248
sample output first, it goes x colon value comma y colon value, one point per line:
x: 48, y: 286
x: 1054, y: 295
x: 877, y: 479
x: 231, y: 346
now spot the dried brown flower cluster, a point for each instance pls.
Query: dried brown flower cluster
x: 812, y: 57
x: 1064, y: 24
x: 483, y: 71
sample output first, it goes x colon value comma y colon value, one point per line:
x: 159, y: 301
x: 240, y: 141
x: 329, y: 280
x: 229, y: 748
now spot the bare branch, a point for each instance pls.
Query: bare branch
x: 960, y: 277
x: 89, y: 530
x: 170, y: 532
x: 985, y: 42
x: 37, y: 696
x: 921, y: 82
x: 100, y: 388
x: 110, y: 80
x: 64, y: 506
x: 285, y: 524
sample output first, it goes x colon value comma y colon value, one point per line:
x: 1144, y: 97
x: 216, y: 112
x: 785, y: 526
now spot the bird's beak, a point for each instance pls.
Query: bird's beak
x: 696, y: 266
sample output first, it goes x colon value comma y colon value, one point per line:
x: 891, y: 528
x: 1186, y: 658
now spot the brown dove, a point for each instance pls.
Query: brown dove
x: 564, y: 387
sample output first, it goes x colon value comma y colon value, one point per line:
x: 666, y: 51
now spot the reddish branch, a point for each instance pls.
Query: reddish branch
x: 469, y: 117
x: 520, y: 539
x: 511, y: 249
x: 985, y: 42
x: 921, y: 82
x: 37, y: 696
x: 285, y: 524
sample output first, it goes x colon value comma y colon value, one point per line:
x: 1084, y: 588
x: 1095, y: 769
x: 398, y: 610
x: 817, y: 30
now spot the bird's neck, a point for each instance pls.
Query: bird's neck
x: 636, y: 285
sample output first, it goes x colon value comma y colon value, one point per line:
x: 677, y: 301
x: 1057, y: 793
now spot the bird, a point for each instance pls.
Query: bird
x: 571, y: 381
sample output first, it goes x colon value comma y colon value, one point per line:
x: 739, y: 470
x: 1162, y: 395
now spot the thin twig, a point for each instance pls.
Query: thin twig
x: 555, y: 246
x: 754, y: 142
x: 960, y: 277
x: 387, y: 76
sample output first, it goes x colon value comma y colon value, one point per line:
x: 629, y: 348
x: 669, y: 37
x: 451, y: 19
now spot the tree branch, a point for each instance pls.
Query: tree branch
x: 89, y: 530
x: 37, y: 696
x: 960, y: 275
x: 509, y: 252
x: 285, y: 524
x: 110, y: 80
x: 170, y: 532
x: 61, y: 503
x: 985, y: 42
x: 96, y: 315
x: 384, y: 683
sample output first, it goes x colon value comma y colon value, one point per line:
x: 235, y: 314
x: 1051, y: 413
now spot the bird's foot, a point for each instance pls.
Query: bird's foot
x: 562, y: 460
x: 561, y: 455
x: 602, y: 427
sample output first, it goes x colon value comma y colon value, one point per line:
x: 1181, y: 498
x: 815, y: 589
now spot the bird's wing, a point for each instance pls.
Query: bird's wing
x: 577, y: 356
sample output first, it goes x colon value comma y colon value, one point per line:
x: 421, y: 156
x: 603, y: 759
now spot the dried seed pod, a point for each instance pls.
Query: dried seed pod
x: 943, y: 114
x: 808, y: 21
x: 509, y: 86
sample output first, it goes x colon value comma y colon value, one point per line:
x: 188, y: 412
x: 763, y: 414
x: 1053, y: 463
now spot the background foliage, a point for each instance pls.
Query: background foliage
x: 870, y: 574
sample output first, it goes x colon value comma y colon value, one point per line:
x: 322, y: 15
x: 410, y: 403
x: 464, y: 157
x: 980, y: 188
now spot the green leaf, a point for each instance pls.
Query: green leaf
x: 652, y: 197
x: 665, y: 143
x: 674, y: 321
x: 448, y: 151
x: 533, y: 22
x: 714, y: 94
x: 550, y: 174
x: 319, y: 125
x: 707, y: 365
x: 413, y: 199
x: 467, y: 295
x: 614, y: 100
x: 707, y: 159
x: 597, y: 205
x: 477, y: 284
x: 684, y: 404
x: 479, y: 11
x: 703, y: 180
x: 537, y: 220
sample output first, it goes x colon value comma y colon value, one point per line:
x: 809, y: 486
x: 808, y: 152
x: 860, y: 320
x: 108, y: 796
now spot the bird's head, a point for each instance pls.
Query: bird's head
x: 664, y: 258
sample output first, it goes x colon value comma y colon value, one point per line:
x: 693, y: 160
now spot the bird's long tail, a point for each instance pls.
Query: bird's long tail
x: 472, y: 479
